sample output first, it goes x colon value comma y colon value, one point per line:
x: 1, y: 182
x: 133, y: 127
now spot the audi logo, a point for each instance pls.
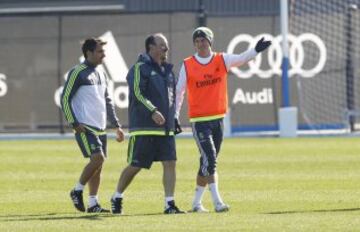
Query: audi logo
x: 274, y: 55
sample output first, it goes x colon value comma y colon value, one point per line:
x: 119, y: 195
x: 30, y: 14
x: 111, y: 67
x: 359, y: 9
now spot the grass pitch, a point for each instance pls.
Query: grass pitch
x: 304, y: 184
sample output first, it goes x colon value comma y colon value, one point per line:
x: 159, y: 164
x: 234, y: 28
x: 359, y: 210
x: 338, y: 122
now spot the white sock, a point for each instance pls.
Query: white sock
x: 199, y: 191
x: 117, y: 195
x: 79, y: 187
x: 93, y: 200
x: 167, y: 199
x: 213, y: 187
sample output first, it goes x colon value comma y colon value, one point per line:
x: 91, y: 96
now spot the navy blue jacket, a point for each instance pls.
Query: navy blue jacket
x: 151, y: 87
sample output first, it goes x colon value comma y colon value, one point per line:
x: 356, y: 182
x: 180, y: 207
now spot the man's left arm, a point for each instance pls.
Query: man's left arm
x: 236, y: 60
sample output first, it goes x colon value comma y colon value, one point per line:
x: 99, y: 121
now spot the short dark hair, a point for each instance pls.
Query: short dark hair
x: 150, y: 40
x: 90, y: 45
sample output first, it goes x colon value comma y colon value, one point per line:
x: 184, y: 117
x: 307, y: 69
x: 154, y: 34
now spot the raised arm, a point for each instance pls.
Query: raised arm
x: 236, y: 60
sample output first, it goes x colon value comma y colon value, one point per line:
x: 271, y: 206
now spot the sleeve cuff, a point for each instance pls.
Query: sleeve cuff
x: 155, y: 109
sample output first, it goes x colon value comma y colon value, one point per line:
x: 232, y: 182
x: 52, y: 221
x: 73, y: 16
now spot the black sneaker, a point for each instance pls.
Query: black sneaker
x: 77, y: 199
x: 116, y: 205
x: 172, y: 209
x: 97, y: 209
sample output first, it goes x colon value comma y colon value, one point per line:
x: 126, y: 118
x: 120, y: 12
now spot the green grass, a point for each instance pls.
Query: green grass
x: 305, y: 184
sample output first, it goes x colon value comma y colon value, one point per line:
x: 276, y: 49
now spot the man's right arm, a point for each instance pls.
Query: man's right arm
x: 70, y: 88
x: 138, y: 87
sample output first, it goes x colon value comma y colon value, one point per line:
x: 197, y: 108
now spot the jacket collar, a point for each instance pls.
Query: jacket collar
x: 90, y: 65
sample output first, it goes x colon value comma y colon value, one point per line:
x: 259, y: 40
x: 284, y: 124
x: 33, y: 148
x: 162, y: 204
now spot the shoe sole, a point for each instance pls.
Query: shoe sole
x: 99, y: 212
x: 191, y: 211
x: 117, y: 213
x: 198, y: 211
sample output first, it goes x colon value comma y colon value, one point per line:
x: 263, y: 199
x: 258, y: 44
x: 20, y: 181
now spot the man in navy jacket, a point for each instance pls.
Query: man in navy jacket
x: 151, y: 121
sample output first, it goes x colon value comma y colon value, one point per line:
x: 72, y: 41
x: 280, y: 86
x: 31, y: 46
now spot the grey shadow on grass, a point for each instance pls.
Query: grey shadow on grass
x: 314, y: 211
x: 67, y: 216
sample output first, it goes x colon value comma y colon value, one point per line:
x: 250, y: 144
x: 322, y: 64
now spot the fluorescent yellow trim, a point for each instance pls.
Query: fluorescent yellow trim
x: 67, y: 91
x: 95, y: 131
x: 131, y: 149
x: 208, y: 118
x: 137, y: 92
x: 161, y: 133
x: 85, y: 143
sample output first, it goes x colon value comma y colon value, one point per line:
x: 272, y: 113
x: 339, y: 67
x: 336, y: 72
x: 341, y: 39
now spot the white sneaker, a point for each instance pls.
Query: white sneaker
x: 221, y: 207
x: 199, y: 209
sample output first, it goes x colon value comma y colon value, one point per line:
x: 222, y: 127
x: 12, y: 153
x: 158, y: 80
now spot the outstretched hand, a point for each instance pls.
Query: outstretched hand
x: 262, y: 44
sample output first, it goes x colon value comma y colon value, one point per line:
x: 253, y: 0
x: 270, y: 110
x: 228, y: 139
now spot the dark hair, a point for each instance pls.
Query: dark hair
x: 150, y: 40
x: 90, y: 45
